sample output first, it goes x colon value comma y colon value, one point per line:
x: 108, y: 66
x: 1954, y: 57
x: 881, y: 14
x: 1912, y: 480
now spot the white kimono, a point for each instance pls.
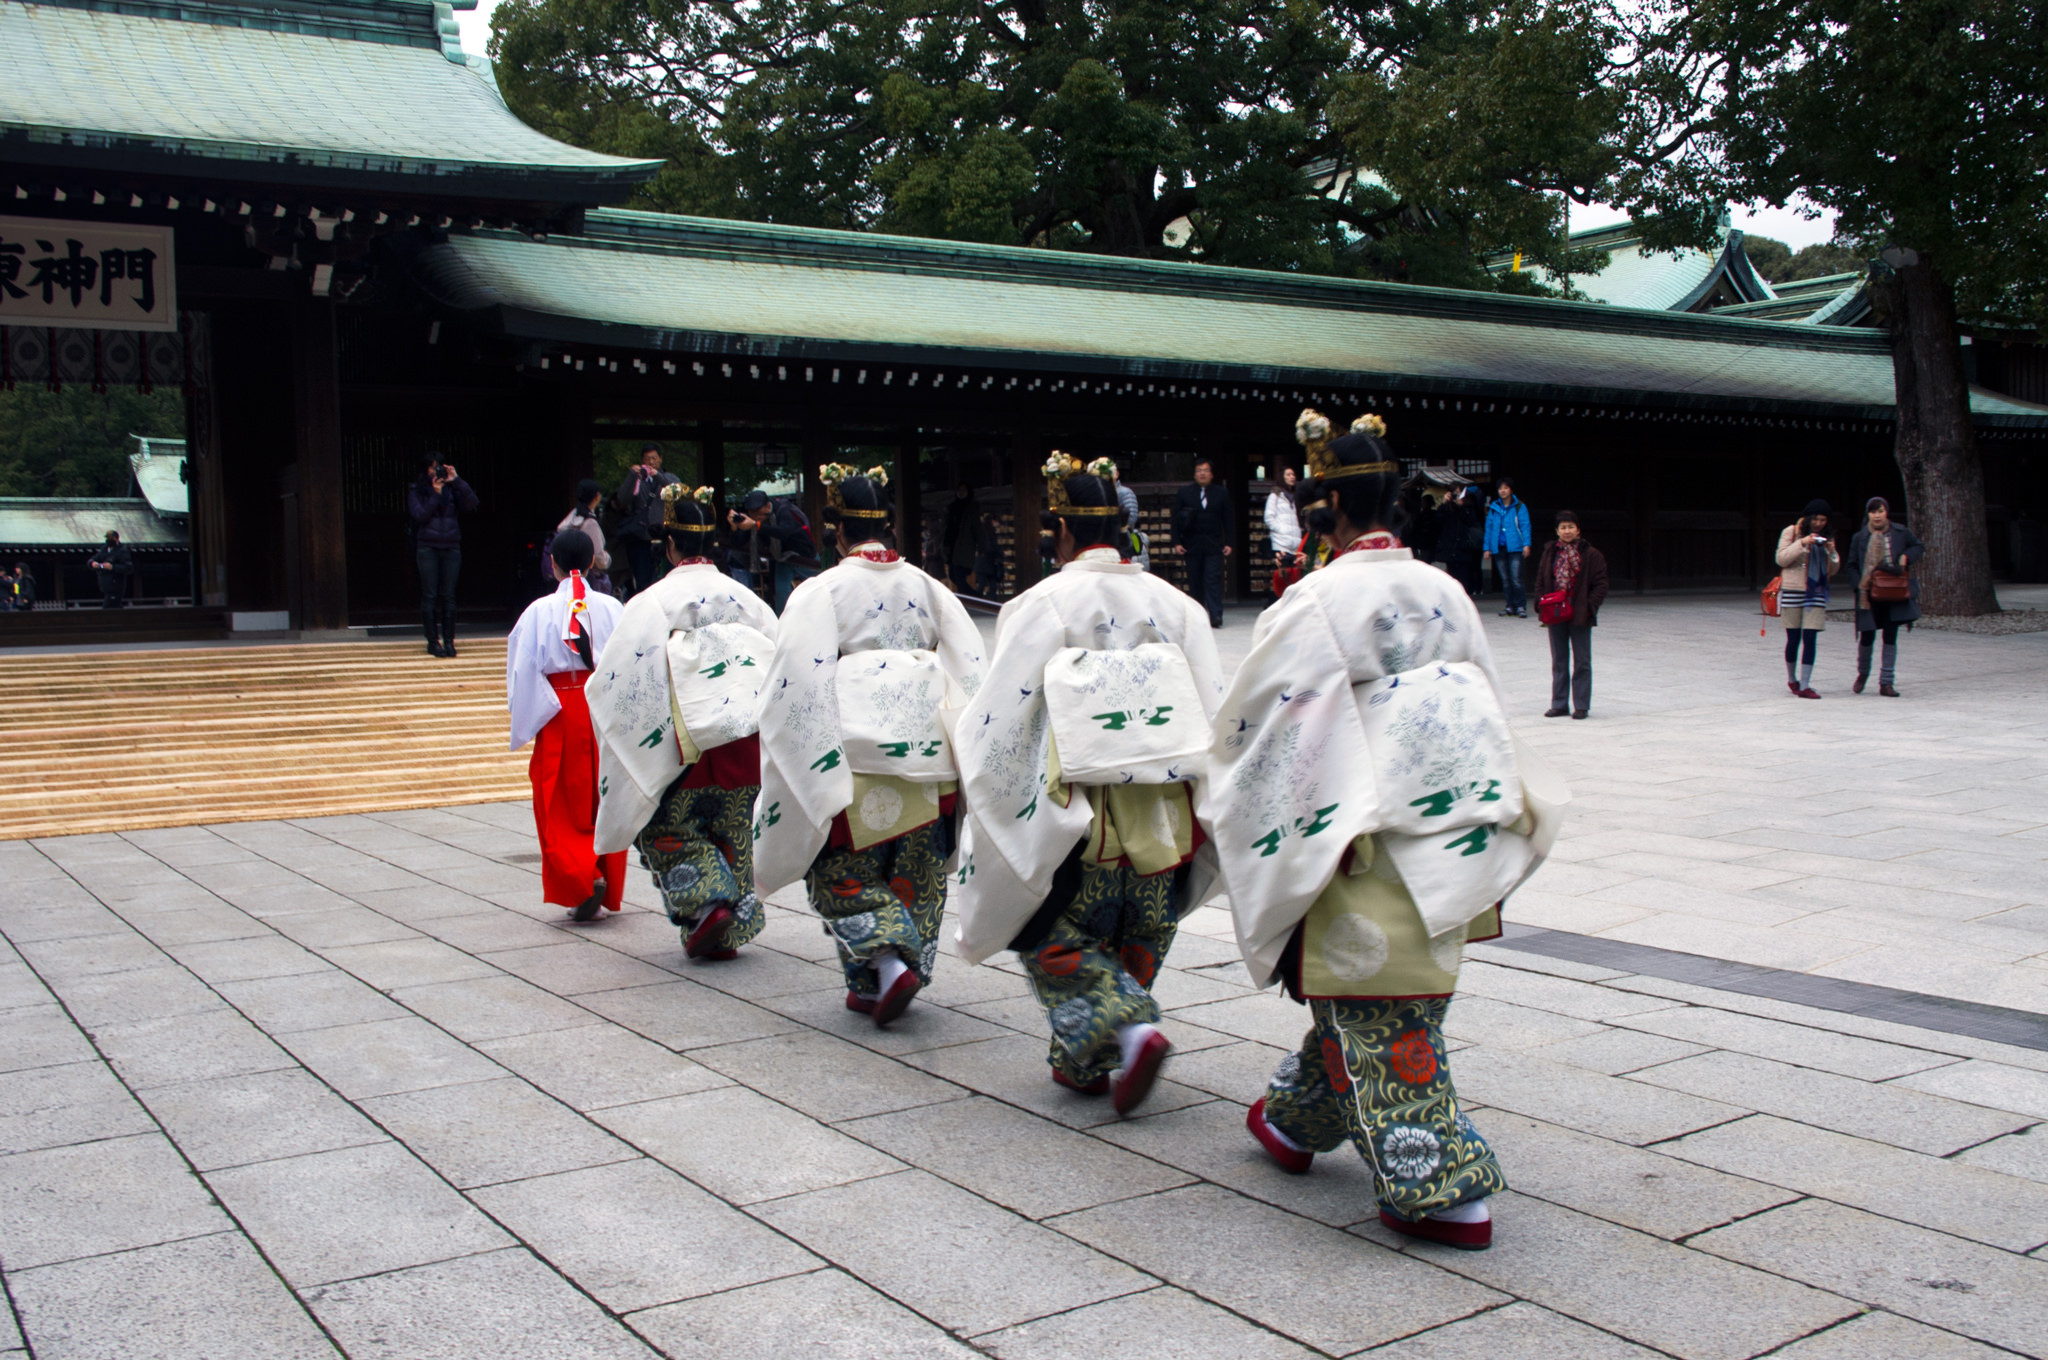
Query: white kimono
x: 1014, y: 837
x: 536, y: 650
x: 630, y: 702
x: 859, y: 605
x: 1292, y: 776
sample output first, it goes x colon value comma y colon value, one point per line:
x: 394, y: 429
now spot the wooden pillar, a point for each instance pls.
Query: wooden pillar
x: 1027, y: 481
x: 1643, y: 492
x: 1762, y: 541
x: 203, y: 467
x: 322, y: 547
x: 909, y: 501
x: 575, y: 452
x: 817, y: 452
x: 1233, y: 469
x: 711, y: 460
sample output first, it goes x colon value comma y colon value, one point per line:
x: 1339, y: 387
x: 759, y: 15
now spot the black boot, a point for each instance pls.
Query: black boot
x: 427, y: 626
x: 448, y: 633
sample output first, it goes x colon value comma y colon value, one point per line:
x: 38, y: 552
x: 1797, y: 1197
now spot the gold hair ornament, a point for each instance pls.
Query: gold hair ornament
x: 676, y: 492
x: 1058, y: 467
x: 832, y: 474
x: 1312, y: 430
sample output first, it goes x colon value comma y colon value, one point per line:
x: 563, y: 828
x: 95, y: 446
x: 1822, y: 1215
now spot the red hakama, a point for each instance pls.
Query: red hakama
x: 564, y: 774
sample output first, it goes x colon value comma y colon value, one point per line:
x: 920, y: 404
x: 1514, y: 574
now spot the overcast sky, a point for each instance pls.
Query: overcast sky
x: 1783, y: 224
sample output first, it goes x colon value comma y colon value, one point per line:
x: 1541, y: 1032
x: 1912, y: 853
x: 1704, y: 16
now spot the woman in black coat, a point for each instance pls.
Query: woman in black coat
x: 1882, y: 548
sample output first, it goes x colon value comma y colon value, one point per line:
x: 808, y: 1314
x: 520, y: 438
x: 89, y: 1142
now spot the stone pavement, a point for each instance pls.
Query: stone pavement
x: 344, y: 1085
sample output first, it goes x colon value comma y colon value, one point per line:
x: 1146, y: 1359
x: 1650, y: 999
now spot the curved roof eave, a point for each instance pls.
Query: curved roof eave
x: 739, y: 290
x: 239, y: 92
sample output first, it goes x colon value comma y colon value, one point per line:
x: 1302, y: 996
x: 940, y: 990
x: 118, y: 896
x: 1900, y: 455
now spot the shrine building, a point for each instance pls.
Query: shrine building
x: 320, y: 221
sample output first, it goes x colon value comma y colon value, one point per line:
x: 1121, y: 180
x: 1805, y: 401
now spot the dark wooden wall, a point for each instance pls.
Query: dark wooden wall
x: 1675, y: 500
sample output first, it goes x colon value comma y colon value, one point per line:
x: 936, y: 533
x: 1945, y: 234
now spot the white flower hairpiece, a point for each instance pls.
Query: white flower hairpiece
x: 1311, y: 427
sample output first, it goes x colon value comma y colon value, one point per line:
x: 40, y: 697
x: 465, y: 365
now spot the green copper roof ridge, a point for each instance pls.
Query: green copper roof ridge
x: 875, y: 250
x: 630, y: 173
x: 406, y: 23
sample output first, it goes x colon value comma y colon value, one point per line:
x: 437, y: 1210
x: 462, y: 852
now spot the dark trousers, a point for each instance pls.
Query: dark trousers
x: 1205, y: 579
x: 1571, y: 665
x: 113, y: 590
x: 640, y: 554
x: 438, y: 569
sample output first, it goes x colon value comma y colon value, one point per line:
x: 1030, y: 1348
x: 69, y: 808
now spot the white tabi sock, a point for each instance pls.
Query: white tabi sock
x: 1805, y: 677
x: 1131, y: 1038
x: 1472, y: 1211
x: 888, y: 967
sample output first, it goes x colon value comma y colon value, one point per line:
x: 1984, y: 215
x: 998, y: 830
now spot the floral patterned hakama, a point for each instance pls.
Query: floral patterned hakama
x: 885, y: 897
x: 1093, y: 970
x: 699, y: 847
x: 1374, y: 1072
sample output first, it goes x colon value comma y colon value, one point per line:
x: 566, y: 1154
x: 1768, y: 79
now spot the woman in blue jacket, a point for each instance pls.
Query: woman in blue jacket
x: 1507, y: 542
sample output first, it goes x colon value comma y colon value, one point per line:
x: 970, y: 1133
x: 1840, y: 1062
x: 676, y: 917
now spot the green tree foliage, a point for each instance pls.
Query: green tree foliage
x: 1210, y: 130
x: 1920, y: 122
x: 1768, y: 256
x: 75, y: 442
x: 1779, y: 263
x: 1818, y: 261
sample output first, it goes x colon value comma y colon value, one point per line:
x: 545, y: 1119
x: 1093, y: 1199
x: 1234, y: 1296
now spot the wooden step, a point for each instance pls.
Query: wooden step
x: 118, y: 741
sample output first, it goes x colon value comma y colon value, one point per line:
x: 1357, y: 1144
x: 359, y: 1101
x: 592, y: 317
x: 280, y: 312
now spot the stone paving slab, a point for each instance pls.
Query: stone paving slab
x: 825, y: 1315
x: 1299, y: 1278
x: 205, y: 1296
x: 967, y: 1264
x: 347, y: 1084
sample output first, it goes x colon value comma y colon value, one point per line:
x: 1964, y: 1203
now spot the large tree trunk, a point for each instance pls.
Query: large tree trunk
x: 1936, y: 447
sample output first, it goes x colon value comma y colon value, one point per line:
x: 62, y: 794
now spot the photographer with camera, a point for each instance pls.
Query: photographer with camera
x: 783, y: 535
x: 435, y: 501
x: 640, y: 516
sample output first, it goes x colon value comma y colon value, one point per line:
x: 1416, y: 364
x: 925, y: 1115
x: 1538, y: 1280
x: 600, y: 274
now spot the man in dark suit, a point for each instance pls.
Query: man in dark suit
x: 1203, y: 528
x: 112, y: 566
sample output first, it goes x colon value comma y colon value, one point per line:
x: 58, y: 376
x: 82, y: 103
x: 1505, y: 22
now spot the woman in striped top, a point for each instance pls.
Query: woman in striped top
x: 1806, y: 557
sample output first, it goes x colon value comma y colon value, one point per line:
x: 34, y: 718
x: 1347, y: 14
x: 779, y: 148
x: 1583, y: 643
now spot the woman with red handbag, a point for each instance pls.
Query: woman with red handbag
x: 1570, y: 587
x: 1887, y: 594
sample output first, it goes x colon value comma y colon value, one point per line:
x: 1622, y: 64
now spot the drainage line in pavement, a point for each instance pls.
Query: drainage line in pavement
x: 1999, y: 1024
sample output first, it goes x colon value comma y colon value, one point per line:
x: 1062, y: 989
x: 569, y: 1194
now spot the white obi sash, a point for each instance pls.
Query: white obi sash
x: 1126, y: 717
x: 891, y: 706
x: 1442, y: 753
x: 715, y: 678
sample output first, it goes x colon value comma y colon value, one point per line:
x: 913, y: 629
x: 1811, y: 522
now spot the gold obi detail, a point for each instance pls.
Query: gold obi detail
x: 885, y: 807
x: 691, y: 755
x: 1363, y: 936
x: 1153, y: 825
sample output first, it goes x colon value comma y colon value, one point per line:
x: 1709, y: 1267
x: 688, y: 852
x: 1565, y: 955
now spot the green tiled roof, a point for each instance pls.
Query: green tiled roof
x: 641, y: 280
x: 350, y: 93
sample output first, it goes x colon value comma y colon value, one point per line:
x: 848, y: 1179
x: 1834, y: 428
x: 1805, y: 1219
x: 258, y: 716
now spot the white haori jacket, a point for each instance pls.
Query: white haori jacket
x: 631, y: 706
x: 537, y: 650
x: 861, y: 605
x: 1014, y: 836
x: 1318, y: 743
